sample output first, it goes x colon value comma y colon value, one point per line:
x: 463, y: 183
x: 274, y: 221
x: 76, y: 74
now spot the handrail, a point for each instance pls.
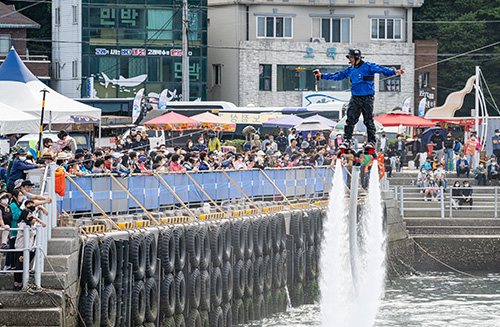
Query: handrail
x: 26, y: 253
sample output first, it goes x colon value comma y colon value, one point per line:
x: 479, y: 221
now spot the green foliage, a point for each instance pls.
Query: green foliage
x: 456, y: 38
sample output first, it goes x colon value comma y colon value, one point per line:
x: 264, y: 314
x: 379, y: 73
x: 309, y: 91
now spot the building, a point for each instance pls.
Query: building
x: 262, y: 52
x: 426, y: 73
x: 13, y: 32
x: 113, y: 48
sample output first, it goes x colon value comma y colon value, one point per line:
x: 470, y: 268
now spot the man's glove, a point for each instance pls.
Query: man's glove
x: 317, y: 74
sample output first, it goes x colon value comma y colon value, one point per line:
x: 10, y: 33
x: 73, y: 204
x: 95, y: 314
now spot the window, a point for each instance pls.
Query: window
x: 57, y: 16
x: 336, y: 29
x: 57, y: 70
x: 390, y: 84
x: 265, y: 77
x: 5, y: 43
x: 217, y: 69
x: 300, y: 78
x: 274, y: 27
x: 75, y: 14
x: 386, y: 28
x: 74, y: 69
x: 423, y: 80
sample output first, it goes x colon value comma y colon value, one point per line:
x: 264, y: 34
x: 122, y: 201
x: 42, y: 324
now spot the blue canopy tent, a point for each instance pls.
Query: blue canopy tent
x: 328, y: 122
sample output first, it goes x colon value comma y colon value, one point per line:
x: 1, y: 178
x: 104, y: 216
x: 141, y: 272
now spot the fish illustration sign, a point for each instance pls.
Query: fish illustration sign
x: 125, y: 82
x: 136, y: 109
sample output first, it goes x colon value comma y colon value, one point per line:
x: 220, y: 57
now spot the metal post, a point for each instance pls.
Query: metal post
x: 38, y: 256
x: 442, y: 201
x: 401, y: 201
x: 496, y: 202
x: 26, y: 255
x: 52, y: 218
x: 395, y: 193
x: 39, y: 150
x: 353, y: 219
x: 451, y: 202
x: 185, y: 49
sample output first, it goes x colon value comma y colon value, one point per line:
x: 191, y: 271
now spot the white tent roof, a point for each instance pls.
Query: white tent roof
x: 14, y: 121
x: 20, y: 89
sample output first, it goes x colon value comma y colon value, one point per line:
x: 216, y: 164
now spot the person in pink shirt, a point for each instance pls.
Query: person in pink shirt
x: 238, y: 163
x: 175, y: 163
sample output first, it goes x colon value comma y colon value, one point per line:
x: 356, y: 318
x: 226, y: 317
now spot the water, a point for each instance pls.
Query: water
x: 430, y: 300
x: 358, y: 267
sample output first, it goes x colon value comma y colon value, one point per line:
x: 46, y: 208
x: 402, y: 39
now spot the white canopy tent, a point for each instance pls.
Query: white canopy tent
x: 20, y: 89
x: 14, y: 121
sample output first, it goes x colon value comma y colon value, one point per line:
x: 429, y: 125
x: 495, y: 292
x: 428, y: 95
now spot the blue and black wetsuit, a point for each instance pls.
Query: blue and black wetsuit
x: 362, y: 77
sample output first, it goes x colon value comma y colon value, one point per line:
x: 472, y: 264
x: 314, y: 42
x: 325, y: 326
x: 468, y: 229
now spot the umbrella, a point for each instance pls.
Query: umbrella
x: 426, y: 136
x: 214, y: 122
x: 286, y: 121
x: 311, y: 125
x: 360, y: 126
x: 397, y: 118
x: 324, y: 120
x: 172, y: 121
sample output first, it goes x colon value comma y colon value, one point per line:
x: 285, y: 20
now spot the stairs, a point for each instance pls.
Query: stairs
x: 45, y: 308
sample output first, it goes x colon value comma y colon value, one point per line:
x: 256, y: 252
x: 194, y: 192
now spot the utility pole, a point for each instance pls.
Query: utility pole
x: 185, y: 49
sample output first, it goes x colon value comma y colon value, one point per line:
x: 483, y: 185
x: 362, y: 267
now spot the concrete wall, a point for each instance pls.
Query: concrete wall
x: 67, y: 47
x: 234, y: 44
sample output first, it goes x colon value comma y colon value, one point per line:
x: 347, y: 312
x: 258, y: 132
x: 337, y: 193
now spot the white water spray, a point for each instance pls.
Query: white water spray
x: 346, y: 302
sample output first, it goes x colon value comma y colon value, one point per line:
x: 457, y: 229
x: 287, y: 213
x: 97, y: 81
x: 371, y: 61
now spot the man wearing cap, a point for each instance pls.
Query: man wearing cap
x: 496, y: 143
x: 362, y: 76
x: 4, y: 160
x: 25, y: 188
x: 18, y: 167
x: 213, y: 142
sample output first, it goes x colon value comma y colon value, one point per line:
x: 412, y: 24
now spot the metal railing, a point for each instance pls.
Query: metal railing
x: 448, y: 202
x: 43, y: 235
x: 27, y: 248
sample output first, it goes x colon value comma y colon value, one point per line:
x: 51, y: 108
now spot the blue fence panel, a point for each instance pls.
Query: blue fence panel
x: 137, y: 187
x: 184, y: 187
x: 76, y: 200
x: 152, y: 189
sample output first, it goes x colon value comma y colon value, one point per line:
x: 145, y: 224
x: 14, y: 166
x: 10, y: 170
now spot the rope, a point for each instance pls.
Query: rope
x: 429, y: 254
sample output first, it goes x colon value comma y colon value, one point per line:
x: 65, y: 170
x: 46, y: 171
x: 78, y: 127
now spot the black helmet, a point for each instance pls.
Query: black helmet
x: 355, y: 53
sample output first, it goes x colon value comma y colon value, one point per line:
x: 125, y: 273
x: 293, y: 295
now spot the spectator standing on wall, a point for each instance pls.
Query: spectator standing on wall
x: 18, y: 167
x: 496, y: 143
x: 437, y: 141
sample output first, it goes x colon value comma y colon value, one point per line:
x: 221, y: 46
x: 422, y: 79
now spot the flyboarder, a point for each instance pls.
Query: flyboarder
x: 362, y: 78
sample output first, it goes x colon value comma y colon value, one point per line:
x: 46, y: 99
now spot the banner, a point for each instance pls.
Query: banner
x: 162, y: 101
x: 136, y: 109
x: 421, y: 107
x: 406, y: 105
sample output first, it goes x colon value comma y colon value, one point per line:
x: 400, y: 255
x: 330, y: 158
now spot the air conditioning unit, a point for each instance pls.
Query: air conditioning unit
x: 318, y: 39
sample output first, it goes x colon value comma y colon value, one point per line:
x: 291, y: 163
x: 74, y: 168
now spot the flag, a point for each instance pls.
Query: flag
x: 421, y: 107
x: 136, y: 109
x: 162, y: 101
x: 406, y: 105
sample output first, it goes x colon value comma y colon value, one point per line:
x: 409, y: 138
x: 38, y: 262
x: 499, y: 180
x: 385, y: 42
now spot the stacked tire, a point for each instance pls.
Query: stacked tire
x: 297, y: 220
x: 276, y: 299
x: 167, y: 245
x: 216, y: 316
x: 239, y: 244
x: 204, y: 233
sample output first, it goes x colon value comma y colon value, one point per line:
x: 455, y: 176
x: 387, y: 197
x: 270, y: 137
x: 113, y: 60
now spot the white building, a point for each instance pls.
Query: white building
x: 262, y: 52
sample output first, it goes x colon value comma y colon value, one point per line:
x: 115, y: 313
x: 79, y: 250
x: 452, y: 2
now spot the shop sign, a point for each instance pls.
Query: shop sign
x: 139, y: 52
x: 330, y: 52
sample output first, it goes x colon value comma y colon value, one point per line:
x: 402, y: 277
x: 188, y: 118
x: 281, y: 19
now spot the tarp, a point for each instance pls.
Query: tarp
x: 214, y: 122
x: 286, y: 121
x: 326, y: 121
x: 310, y: 124
x: 173, y: 121
x: 14, y: 121
x: 20, y: 89
x: 401, y: 118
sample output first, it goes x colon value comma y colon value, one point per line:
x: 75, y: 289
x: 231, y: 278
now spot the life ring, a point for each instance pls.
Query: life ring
x: 381, y: 168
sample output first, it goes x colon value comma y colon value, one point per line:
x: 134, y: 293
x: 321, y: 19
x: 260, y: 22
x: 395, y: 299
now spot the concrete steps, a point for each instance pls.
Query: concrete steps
x: 453, y: 230
x: 21, y: 316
